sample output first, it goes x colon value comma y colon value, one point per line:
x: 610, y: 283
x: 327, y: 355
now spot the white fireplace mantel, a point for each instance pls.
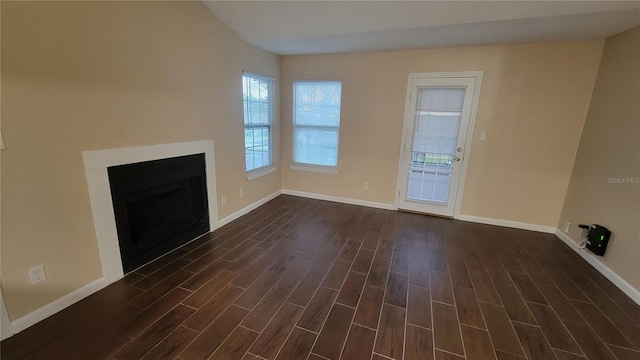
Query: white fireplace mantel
x: 96, y: 163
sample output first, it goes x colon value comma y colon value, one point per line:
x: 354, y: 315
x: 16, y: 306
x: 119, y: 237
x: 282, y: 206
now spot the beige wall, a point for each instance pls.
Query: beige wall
x: 610, y: 148
x: 98, y: 75
x: 532, y: 105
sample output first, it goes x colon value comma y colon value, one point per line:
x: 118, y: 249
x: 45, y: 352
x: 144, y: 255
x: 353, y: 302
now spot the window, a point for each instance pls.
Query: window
x: 316, y: 124
x: 257, y: 100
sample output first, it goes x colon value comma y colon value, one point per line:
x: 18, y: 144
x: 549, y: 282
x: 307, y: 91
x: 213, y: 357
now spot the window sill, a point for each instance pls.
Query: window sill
x: 254, y: 174
x: 312, y: 168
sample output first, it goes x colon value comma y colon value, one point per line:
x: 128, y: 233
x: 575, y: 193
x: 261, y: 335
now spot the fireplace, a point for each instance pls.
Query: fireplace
x: 158, y: 206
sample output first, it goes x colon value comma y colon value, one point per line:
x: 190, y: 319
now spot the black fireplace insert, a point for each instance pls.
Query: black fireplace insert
x: 159, y: 205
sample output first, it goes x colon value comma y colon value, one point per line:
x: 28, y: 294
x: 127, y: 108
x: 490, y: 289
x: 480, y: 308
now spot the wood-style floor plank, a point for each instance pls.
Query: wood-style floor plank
x: 533, y: 341
x: 459, y: 273
x: 172, y: 345
x: 418, y: 343
x: 209, y: 290
x: 390, y: 336
x: 624, y: 354
x: 485, y: 291
x: 212, y: 337
x: 563, y: 355
x: 442, y: 355
x: 351, y: 289
x: 318, y: 309
x: 441, y: 287
x: 553, y: 329
x: 363, y: 261
x: 210, y: 311
x: 605, y: 329
x: 477, y: 344
x: 468, y: 308
x: 151, y: 314
x: 632, y: 332
x: 397, y: 289
x: 334, y: 332
x: 298, y: 345
x: 419, y: 306
x: 561, y: 304
x: 446, y: 328
x: 142, y: 344
x: 501, y: 355
x: 236, y: 345
x: 418, y: 272
x: 380, y: 266
x: 259, y: 317
x: 275, y: 334
x: 368, y: 311
x: 359, y: 345
x: 337, y: 274
x: 501, y: 329
x: 527, y: 288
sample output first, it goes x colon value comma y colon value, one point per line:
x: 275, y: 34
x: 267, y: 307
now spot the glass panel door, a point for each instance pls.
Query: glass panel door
x: 438, y: 112
x: 436, y: 125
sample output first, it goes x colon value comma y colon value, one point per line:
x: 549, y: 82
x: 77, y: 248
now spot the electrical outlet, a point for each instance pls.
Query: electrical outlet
x: 365, y: 186
x: 37, y: 274
x: 223, y: 200
x: 482, y: 136
x: 241, y: 193
x: 565, y: 228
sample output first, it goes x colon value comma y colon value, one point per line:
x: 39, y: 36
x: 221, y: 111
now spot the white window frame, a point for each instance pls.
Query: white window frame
x: 314, y: 167
x: 270, y: 168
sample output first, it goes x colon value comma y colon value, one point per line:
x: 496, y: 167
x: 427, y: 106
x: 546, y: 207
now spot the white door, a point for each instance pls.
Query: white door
x: 438, y: 117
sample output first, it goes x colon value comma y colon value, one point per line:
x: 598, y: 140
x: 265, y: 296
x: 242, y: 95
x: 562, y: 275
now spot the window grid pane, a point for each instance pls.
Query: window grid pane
x: 316, y: 122
x: 256, y: 95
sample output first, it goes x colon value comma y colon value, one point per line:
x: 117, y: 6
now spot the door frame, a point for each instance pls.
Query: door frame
x: 407, y: 129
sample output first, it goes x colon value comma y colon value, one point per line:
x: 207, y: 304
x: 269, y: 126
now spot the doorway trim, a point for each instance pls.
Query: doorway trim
x: 406, y: 129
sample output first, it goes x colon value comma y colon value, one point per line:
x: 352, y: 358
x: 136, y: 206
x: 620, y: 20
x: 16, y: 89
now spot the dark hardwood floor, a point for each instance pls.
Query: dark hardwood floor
x: 308, y: 279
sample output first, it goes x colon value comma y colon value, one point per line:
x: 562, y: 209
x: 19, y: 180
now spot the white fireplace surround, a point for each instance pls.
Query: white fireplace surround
x: 96, y: 164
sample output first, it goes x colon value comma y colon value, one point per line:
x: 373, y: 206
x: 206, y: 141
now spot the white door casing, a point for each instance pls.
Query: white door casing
x: 454, y: 170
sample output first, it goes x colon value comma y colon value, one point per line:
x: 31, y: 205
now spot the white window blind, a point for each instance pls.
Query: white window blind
x: 438, y: 114
x: 258, y: 112
x: 316, y: 120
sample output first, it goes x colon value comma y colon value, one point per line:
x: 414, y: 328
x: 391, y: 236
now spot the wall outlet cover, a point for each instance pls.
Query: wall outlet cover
x: 37, y: 274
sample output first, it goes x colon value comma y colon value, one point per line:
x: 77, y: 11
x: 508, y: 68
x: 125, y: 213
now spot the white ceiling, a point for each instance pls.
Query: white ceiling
x: 317, y: 27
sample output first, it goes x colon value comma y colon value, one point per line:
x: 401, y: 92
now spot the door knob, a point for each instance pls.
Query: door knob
x: 459, y: 149
x: 456, y: 159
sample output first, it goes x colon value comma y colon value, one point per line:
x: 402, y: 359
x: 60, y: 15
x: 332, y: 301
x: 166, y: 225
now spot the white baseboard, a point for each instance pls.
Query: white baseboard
x: 248, y: 209
x: 57, y: 305
x: 340, y: 199
x: 618, y: 281
x: 507, y: 223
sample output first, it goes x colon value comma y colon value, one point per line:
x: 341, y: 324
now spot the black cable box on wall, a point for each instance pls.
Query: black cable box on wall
x: 597, y: 239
